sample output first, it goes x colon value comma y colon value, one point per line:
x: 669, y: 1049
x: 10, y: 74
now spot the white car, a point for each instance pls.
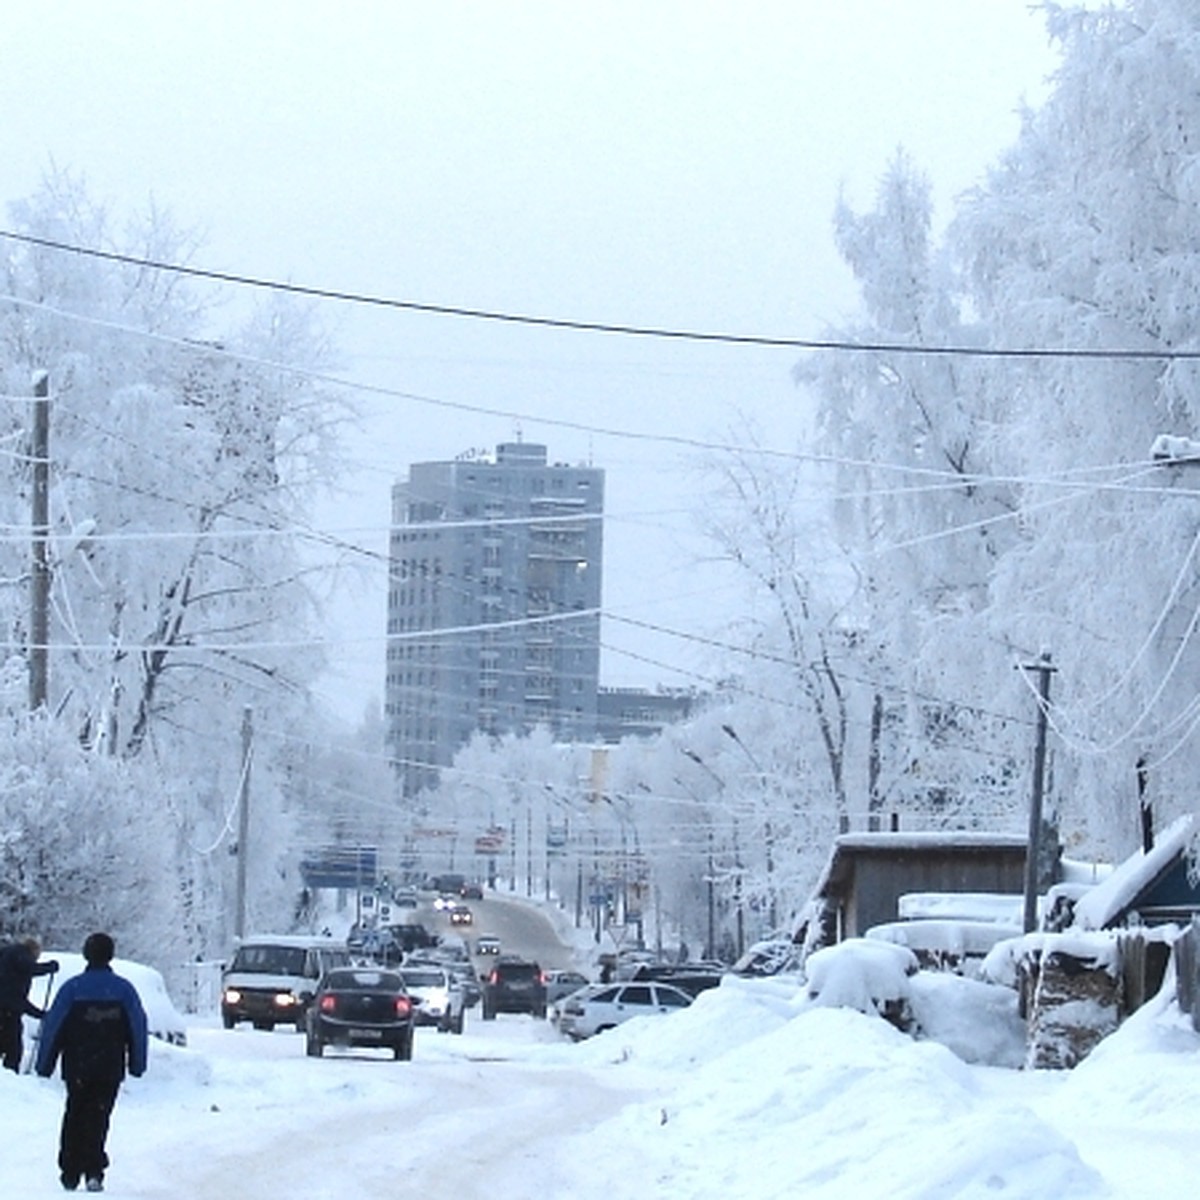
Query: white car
x: 598, y: 1007
x: 162, y: 1017
x: 437, y: 998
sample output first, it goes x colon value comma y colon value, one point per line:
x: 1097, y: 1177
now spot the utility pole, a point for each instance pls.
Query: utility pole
x: 39, y: 623
x: 1033, y: 850
x: 243, y: 849
x: 710, y: 950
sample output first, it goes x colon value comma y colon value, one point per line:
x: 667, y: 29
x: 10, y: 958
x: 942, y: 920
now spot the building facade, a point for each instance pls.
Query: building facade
x: 493, y: 604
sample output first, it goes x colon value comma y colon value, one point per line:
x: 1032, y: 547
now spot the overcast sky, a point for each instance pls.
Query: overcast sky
x: 646, y: 163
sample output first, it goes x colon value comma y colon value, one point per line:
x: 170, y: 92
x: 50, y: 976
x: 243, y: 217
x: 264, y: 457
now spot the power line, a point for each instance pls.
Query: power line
x: 622, y: 329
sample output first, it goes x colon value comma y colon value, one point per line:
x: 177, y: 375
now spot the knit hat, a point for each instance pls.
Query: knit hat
x: 98, y: 950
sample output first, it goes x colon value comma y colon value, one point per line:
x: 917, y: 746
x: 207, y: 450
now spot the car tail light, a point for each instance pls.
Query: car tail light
x: 403, y: 1006
x: 494, y: 976
x: 328, y: 1004
x: 542, y: 978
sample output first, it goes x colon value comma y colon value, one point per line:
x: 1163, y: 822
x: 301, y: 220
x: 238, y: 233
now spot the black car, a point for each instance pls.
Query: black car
x: 361, y: 1006
x: 692, y: 979
x: 514, y: 985
x: 412, y: 935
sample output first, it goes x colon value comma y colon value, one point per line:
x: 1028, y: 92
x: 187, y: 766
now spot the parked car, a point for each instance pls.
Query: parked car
x: 405, y: 898
x: 162, y: 1017
x: 487, y: 945
x: 562, y: 983
x: 770, y: 957
x: 272, y: 978
x: 437, y: 998
x: 361, y: 1006
x: 514, y: 985
x: 692, y: 978
x: 596, y: 1009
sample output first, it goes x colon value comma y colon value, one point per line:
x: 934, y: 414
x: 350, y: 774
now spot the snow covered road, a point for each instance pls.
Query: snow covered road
x: 748, y: 1095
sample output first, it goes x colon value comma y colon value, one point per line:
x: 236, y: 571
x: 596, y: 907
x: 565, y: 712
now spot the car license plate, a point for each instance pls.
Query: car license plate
x: 366, y: 1034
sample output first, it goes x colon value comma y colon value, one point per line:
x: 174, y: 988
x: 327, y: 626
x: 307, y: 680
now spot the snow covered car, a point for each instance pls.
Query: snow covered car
x: 361, y: 1006
x: 597, y: 1008
x: 163, y: 1018
x: 437, y: 998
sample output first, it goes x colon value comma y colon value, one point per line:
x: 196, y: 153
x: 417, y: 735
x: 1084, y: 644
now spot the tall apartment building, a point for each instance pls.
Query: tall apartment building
x: 493, y: 604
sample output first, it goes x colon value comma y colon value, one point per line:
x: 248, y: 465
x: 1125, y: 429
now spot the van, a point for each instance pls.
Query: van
x: 271, y: 979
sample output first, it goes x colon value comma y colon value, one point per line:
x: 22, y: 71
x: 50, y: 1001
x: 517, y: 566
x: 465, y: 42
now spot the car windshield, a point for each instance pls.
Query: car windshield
x: 269, y: 960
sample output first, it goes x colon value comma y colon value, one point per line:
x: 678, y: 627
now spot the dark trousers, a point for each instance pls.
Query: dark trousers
x: 11, y: 1044
x: 81, y: 1151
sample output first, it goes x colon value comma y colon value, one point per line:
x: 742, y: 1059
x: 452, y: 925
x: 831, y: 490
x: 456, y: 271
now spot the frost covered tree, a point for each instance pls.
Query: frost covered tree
x: 996, y: 504
x: 182, y: 465
x: 1084, y: 236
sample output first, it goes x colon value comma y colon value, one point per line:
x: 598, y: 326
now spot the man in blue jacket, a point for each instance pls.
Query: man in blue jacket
x: 18, y: 966
x: 98, y: 1025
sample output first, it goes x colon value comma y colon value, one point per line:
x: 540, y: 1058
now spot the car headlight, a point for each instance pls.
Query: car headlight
x: 284, y: 1000
x: 232, y: 996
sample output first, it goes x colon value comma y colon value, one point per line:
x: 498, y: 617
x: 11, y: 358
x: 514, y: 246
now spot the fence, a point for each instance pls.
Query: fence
x: 1187, y: 971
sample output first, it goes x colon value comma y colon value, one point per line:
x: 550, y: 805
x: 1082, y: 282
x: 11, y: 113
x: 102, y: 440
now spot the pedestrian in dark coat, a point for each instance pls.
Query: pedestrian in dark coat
x: 18, y: 967
x: 98, y: 1026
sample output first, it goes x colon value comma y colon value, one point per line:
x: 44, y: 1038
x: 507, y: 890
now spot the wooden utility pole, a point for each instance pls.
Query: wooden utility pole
x: 1034, y: 848
x: 243, y: 848
x: 39, y: 621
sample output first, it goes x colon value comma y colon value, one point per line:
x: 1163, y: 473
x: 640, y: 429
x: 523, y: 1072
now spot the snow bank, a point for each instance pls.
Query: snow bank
x: 833, y: 1103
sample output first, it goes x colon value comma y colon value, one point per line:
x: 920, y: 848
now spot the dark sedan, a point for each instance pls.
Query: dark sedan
x: 361, y: 1006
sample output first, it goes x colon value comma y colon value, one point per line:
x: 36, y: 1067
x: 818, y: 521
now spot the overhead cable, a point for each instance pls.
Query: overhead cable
x: 581, y: 326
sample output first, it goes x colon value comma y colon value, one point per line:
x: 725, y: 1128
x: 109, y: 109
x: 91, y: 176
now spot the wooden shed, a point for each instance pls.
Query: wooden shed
x: 867, y: 873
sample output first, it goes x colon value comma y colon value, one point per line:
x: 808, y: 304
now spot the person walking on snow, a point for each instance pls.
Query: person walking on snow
x: 18, y: 966
x: 98, y: 1025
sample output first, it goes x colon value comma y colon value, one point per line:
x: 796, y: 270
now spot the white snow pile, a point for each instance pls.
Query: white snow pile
x: 828, y: 1103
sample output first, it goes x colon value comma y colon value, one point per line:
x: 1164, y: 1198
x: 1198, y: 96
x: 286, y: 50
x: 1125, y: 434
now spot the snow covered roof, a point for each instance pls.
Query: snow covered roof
x: 1111, y: 899
x: 925, y: 838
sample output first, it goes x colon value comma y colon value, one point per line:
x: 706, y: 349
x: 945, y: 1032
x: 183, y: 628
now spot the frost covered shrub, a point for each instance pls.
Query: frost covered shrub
x: 85, y: 842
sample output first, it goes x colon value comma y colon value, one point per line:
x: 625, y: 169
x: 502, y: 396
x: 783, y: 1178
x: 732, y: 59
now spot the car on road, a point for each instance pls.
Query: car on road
x: 487, y: 945
x: 514, y: 985
x: 272, y: 978
x: 412, y: 935
x: 561, y: 983
x: 438, y: 999
x: 361, y: 1006
x: 460, y: 914
x: 601, y: 1007
x: 471, y: 890
x: 465, y: 975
